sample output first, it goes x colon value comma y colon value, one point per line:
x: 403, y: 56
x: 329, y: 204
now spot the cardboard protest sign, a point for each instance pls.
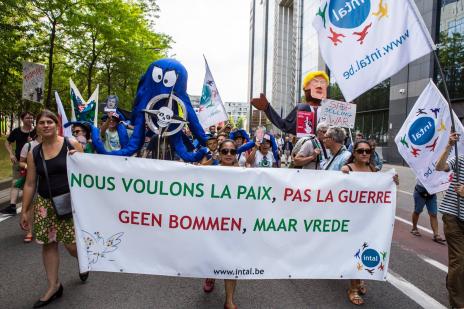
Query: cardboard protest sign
x: 259, y: 134
x: 337, y: 113
x: 111, y: 103
x: 33, y: 81
x: 305, y: 123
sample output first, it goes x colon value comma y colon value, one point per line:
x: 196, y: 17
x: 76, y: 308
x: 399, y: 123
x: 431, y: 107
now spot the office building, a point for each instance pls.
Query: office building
x: 284, y: 47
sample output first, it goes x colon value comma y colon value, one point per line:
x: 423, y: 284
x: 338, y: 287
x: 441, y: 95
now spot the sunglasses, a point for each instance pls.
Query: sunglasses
x: 363, y: 151
x: 226, y: 151
x: 76, y: 132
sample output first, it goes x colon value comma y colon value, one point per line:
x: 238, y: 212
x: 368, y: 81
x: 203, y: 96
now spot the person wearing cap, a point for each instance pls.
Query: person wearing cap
x: 110, y: 133
x: 211, y: 158
x: 244, y: 145
x: 315, y: 89
x: 262, y: 154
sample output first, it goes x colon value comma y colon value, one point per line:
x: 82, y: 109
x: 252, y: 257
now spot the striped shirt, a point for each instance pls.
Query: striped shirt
x: 449, y: 205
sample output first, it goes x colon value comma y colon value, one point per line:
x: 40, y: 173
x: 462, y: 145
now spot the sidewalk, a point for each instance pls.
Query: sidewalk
x: 5, y: 185
x: 405, y: 174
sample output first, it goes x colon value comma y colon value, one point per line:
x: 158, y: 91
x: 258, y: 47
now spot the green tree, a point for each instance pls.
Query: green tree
x: 451, y: 56
x: 51, y: 20
x: 240, y: 122
x: 110, y: 42
x: 231, y: 121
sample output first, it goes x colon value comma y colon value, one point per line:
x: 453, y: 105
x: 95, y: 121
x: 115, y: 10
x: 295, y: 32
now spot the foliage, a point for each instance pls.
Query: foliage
x: 232, y: 121
x: 240, y: 122
x: 451, y: 55
x: 105, y: 42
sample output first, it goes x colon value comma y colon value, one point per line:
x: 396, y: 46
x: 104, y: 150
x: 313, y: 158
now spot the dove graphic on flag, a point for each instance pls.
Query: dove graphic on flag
x: 211, y: 109
x: 364, y: 42
x: 82, y: 110
x: 424, y: 136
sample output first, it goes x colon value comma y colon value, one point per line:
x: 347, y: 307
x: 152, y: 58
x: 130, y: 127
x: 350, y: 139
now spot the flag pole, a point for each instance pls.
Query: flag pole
x: 453, y: 127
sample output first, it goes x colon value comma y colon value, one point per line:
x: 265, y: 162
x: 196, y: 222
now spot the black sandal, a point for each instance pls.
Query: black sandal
x: 437, y: 238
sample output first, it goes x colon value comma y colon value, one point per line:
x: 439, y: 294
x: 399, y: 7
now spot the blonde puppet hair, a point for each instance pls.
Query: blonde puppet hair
x: 313, y: 74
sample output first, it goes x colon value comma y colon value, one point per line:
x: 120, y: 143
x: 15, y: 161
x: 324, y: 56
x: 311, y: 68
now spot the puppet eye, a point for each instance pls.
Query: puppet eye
x: 170, y: 78
x: 157, y: 74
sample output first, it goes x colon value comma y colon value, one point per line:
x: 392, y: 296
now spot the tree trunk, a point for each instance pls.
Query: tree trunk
x: 50, y: 65
x: 108, y: 79
x: 11, y: 121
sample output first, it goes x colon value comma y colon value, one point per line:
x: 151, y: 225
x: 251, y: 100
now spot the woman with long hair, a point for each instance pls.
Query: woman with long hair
x: 360, y: 161
x: 227, y: 157
x: 48, y: 159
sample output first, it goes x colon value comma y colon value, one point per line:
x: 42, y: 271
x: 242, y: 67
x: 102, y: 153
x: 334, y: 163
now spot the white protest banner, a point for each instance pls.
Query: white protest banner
x: 337, y: 113
x: 364, y: 42
x: 424, y: 136
x: 33, y: 81
x: 211, y: 109
x: 168, y: 218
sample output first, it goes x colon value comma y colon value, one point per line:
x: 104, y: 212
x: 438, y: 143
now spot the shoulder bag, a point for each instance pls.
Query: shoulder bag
x: 61, y: 203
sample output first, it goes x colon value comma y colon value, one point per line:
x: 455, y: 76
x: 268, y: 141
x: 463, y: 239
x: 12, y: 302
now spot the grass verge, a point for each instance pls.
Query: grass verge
x: 5, y: 163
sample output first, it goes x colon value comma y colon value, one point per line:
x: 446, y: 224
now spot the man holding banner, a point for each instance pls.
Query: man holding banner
x: 366, y: 42
x: 453, y: 221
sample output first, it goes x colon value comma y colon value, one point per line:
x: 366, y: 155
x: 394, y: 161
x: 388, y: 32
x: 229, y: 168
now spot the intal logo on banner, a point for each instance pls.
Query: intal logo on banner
x: 369, y: 259
x: 423, y: 133
x: 347, y: 15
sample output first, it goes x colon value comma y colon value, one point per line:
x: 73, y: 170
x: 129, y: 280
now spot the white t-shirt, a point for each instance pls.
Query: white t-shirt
x: 26, y: 149
x: 263, y: 160
x: 112, y: 140
x: 242, y: 159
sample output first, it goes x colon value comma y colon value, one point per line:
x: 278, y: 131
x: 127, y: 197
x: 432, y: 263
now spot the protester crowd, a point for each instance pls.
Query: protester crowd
x: 39, y: 169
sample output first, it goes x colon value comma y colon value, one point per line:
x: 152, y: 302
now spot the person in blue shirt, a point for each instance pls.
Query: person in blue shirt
x: 212, y: 156
x: 333, y: 140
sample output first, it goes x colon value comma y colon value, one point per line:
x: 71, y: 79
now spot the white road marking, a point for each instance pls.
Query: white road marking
x: 405, y: 192
x: 420, y: 227
x: 413, y: 292
x: 5, y: 217
x: 434, y: 263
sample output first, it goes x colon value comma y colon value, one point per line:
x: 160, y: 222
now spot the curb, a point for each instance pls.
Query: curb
x: 5, y: 183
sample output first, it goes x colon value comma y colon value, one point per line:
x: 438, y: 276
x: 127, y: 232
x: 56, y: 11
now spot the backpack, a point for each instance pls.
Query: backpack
x: 300, y: 144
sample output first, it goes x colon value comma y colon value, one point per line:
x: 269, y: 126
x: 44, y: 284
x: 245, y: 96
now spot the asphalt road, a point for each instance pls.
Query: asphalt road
x: 416, y: 278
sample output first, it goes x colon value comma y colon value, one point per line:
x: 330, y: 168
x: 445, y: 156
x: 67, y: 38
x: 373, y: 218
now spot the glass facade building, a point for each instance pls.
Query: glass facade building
x: 287, y: 47
x: 451, y: 47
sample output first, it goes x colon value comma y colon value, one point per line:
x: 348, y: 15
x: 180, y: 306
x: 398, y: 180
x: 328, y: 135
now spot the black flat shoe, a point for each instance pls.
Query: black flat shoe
x: 84, y: 276
x: 43, y: 303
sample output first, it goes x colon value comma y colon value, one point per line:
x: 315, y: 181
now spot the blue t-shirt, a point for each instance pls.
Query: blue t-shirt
x: 340, y: 160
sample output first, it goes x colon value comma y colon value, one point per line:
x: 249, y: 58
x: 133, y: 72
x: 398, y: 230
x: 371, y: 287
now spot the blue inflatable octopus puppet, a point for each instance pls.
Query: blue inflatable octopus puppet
x: 162, y: 104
